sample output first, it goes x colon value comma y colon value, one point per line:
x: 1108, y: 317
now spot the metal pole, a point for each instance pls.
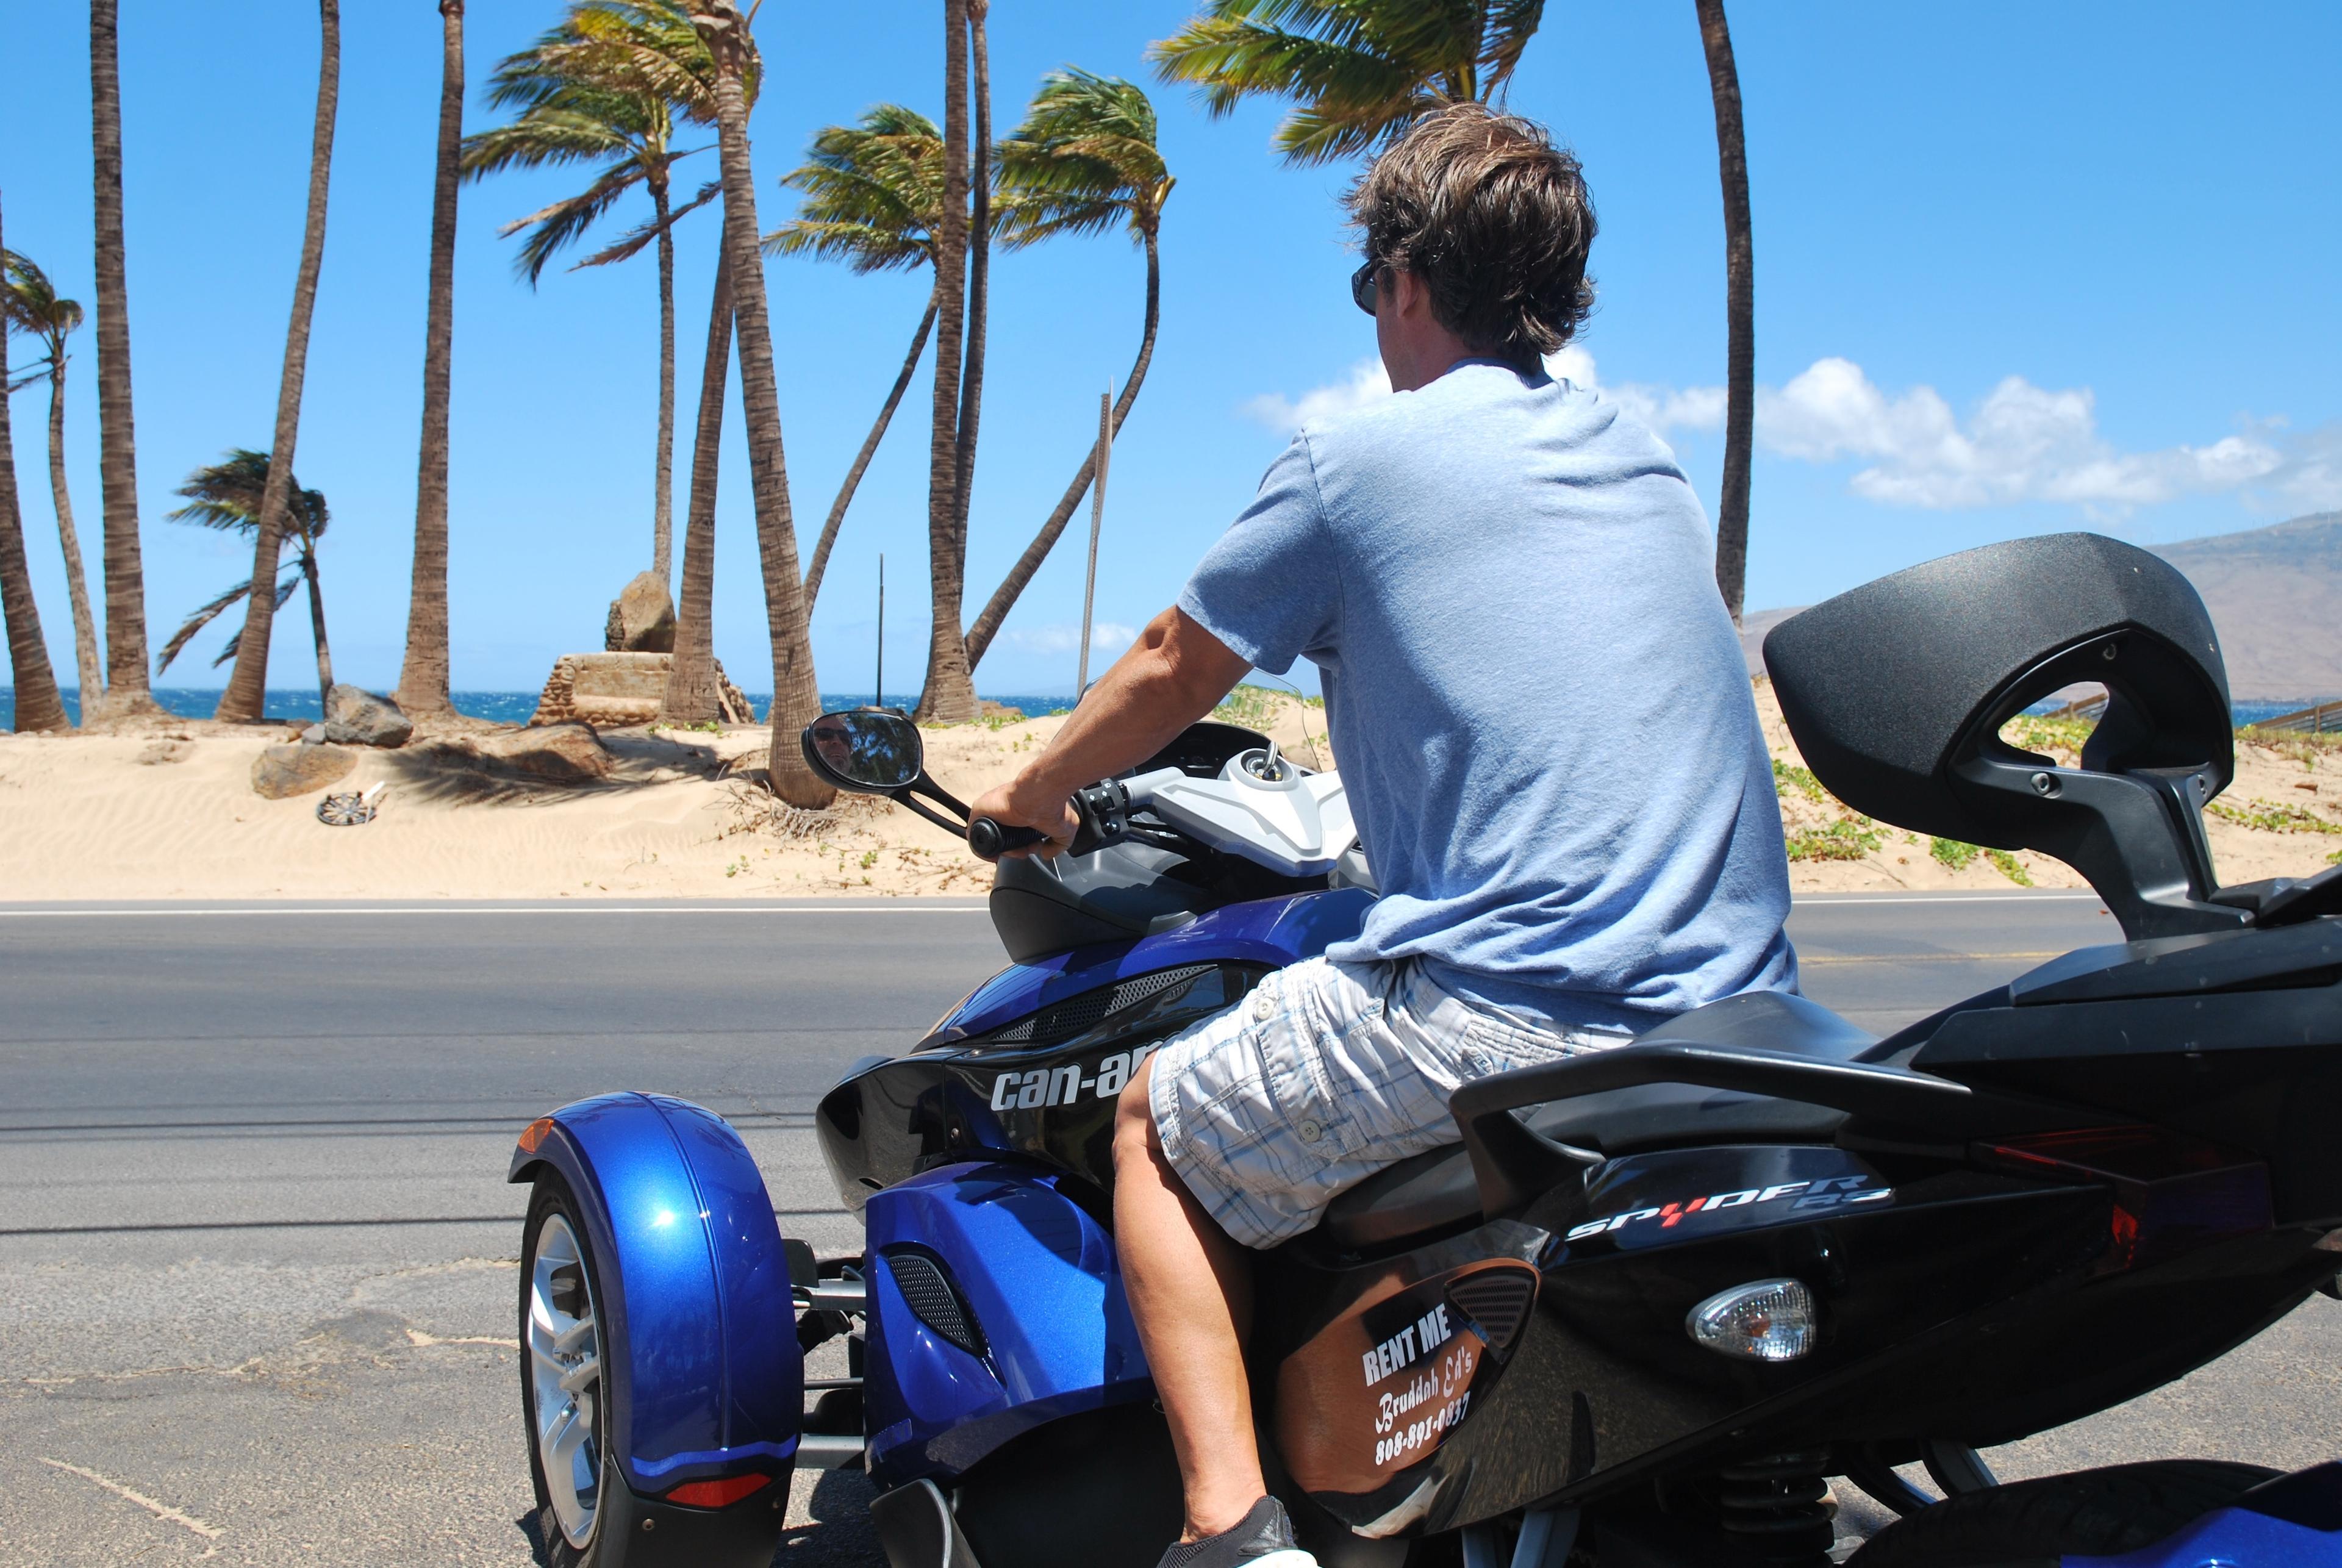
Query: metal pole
x: 1097, y: 517
x: 880, y: 700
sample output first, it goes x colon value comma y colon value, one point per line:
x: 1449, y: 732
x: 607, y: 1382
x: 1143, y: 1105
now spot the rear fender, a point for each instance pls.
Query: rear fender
x: 704, y: 1376
x: 1045, y: 1330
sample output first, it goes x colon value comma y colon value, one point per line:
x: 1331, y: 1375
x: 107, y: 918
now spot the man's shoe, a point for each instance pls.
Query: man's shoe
x: 1263, y: 1539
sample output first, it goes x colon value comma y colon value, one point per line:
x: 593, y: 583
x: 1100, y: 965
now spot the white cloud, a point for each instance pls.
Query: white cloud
x: 2022, y: 442
x: 1107, y: 639
x: 1365, y: 383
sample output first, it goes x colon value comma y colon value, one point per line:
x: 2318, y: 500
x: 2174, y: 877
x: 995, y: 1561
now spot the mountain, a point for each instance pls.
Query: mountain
x: 2276, y: 598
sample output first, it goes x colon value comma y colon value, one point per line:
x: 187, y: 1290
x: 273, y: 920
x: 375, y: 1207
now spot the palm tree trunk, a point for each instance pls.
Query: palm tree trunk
x: 796, y: 699
x: 690, y: 696
x: 663, y: 484
x: 85, y: 660
x: 1739, y: 310
x: 422, y: 680
x: 247, y: 686
x: 1004, y: 599
x: 948, y: 696
x: 126, y: 690
x: 861, y: 458
x: 979, y: 275
x: 317, y: 624
x: 39, y: 705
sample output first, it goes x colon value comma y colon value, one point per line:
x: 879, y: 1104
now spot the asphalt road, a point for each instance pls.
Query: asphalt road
x: 258, y: 1252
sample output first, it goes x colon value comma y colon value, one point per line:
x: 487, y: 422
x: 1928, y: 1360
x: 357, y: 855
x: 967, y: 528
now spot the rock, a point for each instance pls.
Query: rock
x: 169, y: 750
x: 282, y: 772
x: 988, y: 709
x: 612, y: 690
x: 642, y: 618
x: 359, y: 718
x: 569, y: 754
x: 315, y: 735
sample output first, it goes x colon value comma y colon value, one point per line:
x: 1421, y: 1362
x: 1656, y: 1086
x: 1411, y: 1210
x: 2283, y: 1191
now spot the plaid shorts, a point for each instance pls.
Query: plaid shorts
x: 1323, y: 1075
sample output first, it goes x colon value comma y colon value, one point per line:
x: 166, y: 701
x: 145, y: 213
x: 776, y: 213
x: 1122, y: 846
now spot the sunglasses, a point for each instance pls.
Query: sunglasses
x: 1364, y: 290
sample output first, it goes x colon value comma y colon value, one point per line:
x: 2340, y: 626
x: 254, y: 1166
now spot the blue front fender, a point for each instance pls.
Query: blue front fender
x: 1035, y: 1271
x: 700, y: 1359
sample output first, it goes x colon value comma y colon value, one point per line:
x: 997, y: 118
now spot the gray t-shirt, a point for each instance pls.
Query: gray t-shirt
x: 1542, y: 718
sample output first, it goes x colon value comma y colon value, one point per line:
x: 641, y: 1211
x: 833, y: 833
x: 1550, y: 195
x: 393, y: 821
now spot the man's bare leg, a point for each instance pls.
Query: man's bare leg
x: 1190, y: 1290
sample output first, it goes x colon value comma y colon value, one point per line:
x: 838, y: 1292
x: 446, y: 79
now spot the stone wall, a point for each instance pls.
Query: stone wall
x: 610, y: 690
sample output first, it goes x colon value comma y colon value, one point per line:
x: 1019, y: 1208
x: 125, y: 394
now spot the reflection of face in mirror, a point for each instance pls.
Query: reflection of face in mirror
x: 866, y: 749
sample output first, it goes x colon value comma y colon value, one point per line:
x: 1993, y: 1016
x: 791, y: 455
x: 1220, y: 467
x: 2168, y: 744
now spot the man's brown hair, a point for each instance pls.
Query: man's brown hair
x: 1494, y: 218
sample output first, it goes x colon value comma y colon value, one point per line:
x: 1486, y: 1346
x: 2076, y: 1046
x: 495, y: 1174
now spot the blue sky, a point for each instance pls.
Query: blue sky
x: 2019, y: 268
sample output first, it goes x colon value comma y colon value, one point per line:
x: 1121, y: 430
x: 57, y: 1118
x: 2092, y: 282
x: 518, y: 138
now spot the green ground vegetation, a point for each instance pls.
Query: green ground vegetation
x: 2010, y: 866
x: 1252, y: 708
x: 1849, y: 838
x: 1788, y: 776
x: 1952, y: 852
x: 2273, y: 816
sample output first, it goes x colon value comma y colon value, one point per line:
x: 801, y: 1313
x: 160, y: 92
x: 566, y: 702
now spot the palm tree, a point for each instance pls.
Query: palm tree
x: 229, y: 495
x: 873, y: 200
x: 691, y: 697
x: 32, y: 306
x: 126, y: 690
x: 1361, y: 71
x: 1739, y: 309
x: 607, y: 87
x: 247, y: 686
x: 796, y: 698
x: 423, y: 677
x: 948, y: 694
x: 1084, y: 160
x: 39, y: 705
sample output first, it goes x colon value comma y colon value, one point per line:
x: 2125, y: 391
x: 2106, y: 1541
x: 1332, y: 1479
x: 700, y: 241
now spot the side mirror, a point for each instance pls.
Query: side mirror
x: 870, y: 751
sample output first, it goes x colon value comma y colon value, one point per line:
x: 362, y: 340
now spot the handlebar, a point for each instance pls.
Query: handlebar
x: 990, y: 840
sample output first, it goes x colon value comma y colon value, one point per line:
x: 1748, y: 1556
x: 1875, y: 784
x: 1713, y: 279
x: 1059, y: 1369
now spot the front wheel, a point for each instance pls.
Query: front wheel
x: 561, y: 1384
x: 2092, y: 1512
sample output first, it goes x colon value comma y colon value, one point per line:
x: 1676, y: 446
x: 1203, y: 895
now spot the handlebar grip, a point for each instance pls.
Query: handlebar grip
x: 990, y: 840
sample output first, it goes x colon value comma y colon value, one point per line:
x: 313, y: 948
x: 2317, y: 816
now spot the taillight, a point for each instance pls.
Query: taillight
x: 721, y: 1493
x: 2172, y: 1193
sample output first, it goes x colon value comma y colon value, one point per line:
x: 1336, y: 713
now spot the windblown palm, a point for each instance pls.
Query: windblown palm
x: 1084, y: 160
x: 31, y: 305
x: 874, y: 197
x: 225, y: 495
x: 1360, y: 70
x: 608, y: 88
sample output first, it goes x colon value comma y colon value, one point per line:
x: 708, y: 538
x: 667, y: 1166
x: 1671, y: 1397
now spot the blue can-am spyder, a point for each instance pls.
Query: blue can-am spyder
x: 1648, y: 1301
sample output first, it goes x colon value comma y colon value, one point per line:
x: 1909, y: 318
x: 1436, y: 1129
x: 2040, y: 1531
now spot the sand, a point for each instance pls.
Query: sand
x: 168, y: 813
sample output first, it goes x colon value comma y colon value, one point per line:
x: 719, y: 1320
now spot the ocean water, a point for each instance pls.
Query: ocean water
x: 502, y: 708
x: 515, y: 707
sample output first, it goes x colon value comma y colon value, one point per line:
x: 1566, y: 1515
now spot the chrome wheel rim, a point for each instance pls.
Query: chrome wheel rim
x: 565, y: 1366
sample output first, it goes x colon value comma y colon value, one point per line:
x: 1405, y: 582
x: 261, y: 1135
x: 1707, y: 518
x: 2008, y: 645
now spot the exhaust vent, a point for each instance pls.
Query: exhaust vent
x: 933, y: 1301
x: 1076, y: 1013
x: 1498, y: 1301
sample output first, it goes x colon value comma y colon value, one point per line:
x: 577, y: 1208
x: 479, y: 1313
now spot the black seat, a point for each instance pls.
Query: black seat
x: 1436, y: 1190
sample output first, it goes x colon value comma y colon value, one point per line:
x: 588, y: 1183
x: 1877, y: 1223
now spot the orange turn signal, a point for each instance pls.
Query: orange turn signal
x: 721, y: 1493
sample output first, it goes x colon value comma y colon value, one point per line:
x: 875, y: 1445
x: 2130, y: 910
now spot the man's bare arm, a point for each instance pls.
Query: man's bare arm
x: 1173, y: 675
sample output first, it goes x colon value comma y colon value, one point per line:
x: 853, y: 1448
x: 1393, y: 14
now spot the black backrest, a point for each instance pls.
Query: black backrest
x: 1895, y: 693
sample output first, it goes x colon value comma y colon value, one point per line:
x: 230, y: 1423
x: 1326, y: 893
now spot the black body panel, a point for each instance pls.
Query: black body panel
x: 1052, y: 1101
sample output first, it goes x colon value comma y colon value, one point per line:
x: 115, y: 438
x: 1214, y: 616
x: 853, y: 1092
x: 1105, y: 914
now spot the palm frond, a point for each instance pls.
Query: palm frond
x: 1083, y: 159
x: 29, y: 302
x: 550, y: 229
x: 198, y: 621
x: 1357, y: 71
x: 632, y: 241
x: 226, y: 495
x: 286, y: 589
x: 554, y: 133
x: 874, y: 193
